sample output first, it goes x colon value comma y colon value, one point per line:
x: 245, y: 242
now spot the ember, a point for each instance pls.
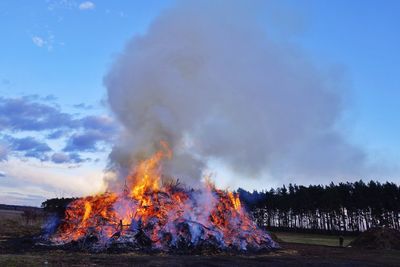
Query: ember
x: 152, y: 214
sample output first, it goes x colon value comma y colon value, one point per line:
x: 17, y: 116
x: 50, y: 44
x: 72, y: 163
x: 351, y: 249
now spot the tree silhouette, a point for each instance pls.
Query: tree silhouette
x: 343, y: 207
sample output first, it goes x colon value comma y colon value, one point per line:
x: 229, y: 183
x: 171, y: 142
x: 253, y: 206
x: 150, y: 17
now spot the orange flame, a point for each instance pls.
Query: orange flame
x: 235, y: 200
x: 147, y: 175
x: 88, y: 209
x: 159, y: 208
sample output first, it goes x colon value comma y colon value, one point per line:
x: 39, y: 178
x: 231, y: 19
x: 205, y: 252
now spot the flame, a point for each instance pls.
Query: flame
x: 235, y: 200
x: 165, y: 212
x: 147, y: 175
x: 88, y: 209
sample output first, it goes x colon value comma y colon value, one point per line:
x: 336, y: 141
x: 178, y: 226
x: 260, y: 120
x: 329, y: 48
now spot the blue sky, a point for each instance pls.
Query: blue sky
x: 54, y: 118
x: 362, y: 37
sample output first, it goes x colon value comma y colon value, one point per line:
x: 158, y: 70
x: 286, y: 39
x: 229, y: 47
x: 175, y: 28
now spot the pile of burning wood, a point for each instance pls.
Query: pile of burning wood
x: 153, y: 216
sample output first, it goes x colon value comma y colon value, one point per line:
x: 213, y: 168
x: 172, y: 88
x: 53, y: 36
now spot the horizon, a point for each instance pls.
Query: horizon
x: 59, y: 118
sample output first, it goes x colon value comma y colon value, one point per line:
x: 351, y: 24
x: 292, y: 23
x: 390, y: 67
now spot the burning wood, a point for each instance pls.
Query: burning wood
x: 152, y: 215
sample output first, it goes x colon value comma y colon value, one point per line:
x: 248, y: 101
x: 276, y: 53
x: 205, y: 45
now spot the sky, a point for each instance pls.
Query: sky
x: 56, y: 128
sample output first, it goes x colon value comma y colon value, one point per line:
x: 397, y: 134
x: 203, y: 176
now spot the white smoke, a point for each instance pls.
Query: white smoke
x: 207, y: 78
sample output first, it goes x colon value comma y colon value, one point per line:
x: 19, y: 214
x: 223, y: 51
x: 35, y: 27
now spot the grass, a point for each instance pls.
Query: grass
x: 313, y: 239
x: 13, y: 223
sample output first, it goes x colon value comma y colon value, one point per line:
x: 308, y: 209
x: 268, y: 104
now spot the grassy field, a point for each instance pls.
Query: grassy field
x: 15, y: 224
x: 312, y: 239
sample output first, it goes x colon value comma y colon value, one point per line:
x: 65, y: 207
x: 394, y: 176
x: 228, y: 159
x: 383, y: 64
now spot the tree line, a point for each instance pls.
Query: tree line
x: 343, y: 207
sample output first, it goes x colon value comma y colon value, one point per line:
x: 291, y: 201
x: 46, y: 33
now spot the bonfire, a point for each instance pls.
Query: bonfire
x: 154, y: 215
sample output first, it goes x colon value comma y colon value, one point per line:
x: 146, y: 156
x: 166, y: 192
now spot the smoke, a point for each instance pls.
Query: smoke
x: 208, y: 78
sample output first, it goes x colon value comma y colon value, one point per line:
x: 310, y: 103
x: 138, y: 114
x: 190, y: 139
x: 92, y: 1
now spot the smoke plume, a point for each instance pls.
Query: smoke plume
x: 208, y: 78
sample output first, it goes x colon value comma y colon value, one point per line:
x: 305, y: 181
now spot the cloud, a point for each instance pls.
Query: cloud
x: 28, y: 114
x: 60, y: 157
x: 42, y: 42
x: 16, y: 198
x: 76, y: 158
x: 83, y: 106
x: 38, y: 41
x: 101, y: 123
x: 56, y: 134
x: 36, y: 97
x: 87, y: 141
x: 21, y: 114
x: 29, y: 146
x: 60, y: 4
x: 2, y: 174
x: 3, y: 151
x: 97, y: 129
x: 46, y: 181
x: 28, y: 143
x: 49, y: 98
x: 39, y: 117
x: 87, y: 5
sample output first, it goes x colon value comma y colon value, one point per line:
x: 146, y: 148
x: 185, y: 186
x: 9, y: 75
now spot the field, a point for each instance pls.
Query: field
x: 16, y: 249
x: 312, y: 239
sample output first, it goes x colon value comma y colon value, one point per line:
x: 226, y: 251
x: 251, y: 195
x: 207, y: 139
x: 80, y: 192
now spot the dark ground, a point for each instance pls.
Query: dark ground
x: 290, y: 255
x: 17, y: 249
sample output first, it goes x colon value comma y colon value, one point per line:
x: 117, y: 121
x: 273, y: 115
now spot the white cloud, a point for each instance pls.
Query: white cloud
x: 38, y: 41
x: 44, y: 42
x: 60, y: 4
x: 50, y: 178
x: 86, y: 5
